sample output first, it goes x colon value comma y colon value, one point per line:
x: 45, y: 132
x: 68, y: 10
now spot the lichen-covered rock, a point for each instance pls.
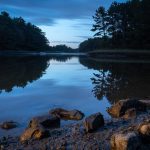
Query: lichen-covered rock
x: 130, y: 113
x: 126, y: 141
x: 47, y: 121
x: 119, y: 109
x: 93, y: 122
x: 8, y: 125
x: 34, y: 133
x: 67, y: 114
x: 144, y: 131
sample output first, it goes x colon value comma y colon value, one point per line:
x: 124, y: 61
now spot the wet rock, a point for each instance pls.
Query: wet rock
x: 126, y: 141
x: 67, y: 114
x: 119, y: 109
x: 47, y: 121
x: 144, y: 131
x: 93, y: 122
x: 34, y: 133
x: 130, y: 113
x: 8, y: 125
x: 3, y: 143
x: 146, y: 103
x: 2, y: 147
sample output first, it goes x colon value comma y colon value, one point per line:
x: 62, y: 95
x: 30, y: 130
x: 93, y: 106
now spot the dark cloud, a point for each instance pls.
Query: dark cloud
x: 46, y: 11
x: 42, y: 20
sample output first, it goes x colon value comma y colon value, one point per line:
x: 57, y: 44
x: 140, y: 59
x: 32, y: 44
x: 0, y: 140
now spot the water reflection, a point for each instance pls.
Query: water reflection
x: 20, y: 71
x: 113, y: 80
x: 66, y: 82
x: 119, y: 80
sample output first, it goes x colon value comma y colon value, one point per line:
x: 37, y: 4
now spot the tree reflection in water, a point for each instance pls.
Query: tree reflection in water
x: 19, y: 71
x: 105, y: 85
x: 119, y: 80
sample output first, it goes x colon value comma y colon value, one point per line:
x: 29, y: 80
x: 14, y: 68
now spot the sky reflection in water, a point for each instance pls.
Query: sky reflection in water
x: 64, y: 84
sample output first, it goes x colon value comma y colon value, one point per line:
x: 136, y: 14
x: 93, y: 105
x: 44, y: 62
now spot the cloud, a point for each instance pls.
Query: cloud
x: 47, y: 11
x: 64, y: 21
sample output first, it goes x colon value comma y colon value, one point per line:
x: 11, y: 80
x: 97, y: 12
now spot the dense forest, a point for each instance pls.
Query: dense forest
x: 122, y: 26
x: 16, y: 34
x: 62, y: 49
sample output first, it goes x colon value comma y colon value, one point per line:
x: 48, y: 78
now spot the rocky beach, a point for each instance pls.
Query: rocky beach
x: 128, y: 129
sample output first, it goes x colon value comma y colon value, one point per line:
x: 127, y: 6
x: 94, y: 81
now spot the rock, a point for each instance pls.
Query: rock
x: 130, y: 113
x: 2, y: 147
x: 119, y: 109
x: 93, y: 122
x: 127, y: 141
x: 35, y: 133
x: 144, y: 131
x: 146, y: 103
x: 8, y: 125
x: 66, y: 114
x: 47, y: 121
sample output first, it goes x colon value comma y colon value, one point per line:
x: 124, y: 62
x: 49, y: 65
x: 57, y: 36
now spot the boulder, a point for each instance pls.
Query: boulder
x: 47, y: 121
x: 67, y: 114
x: 34, y: 133
x: 130, y: 113
x: 144, y: 131
x: 93, y: 122
x: 126, y: 141
x: 8, y: 125
x: 119, y: 109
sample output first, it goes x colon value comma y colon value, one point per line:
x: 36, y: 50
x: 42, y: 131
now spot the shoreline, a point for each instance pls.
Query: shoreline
x: 128, y: 119
x: 74, y: 136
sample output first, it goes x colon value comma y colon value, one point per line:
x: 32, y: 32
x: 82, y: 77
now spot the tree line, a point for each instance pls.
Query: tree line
x: 17, y: 34
x: 122, y: 26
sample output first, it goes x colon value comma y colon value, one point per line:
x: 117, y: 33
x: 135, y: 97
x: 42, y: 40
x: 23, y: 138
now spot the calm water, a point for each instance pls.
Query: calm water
x: 31, y: 86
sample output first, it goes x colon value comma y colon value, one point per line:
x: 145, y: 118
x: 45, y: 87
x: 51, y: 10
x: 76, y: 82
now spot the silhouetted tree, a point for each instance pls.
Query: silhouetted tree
x: 16, y: 34
x: 126, y: 25
x: 101, y: 22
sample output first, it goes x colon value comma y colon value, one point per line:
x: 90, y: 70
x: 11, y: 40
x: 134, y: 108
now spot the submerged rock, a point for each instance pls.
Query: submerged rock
x: 34, y: 133
x: 144, y: 131
x: 47, y: 121
x: 8, y: 125
x: 121, y: 107
x: 93, y: 122
x: 126, y: 141
x: 67, y: 114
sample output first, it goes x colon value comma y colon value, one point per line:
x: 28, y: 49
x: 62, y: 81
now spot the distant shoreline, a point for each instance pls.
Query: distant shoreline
x: 112, y: 56
x: 36, y: 53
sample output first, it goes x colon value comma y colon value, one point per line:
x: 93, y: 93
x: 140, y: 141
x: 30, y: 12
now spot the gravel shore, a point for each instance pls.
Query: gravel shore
x: 75, y: 137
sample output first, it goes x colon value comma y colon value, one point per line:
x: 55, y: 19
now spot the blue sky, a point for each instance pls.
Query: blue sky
x: 64, y: 21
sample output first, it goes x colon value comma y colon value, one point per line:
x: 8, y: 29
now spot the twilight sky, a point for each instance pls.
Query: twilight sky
x: 64, y: 21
